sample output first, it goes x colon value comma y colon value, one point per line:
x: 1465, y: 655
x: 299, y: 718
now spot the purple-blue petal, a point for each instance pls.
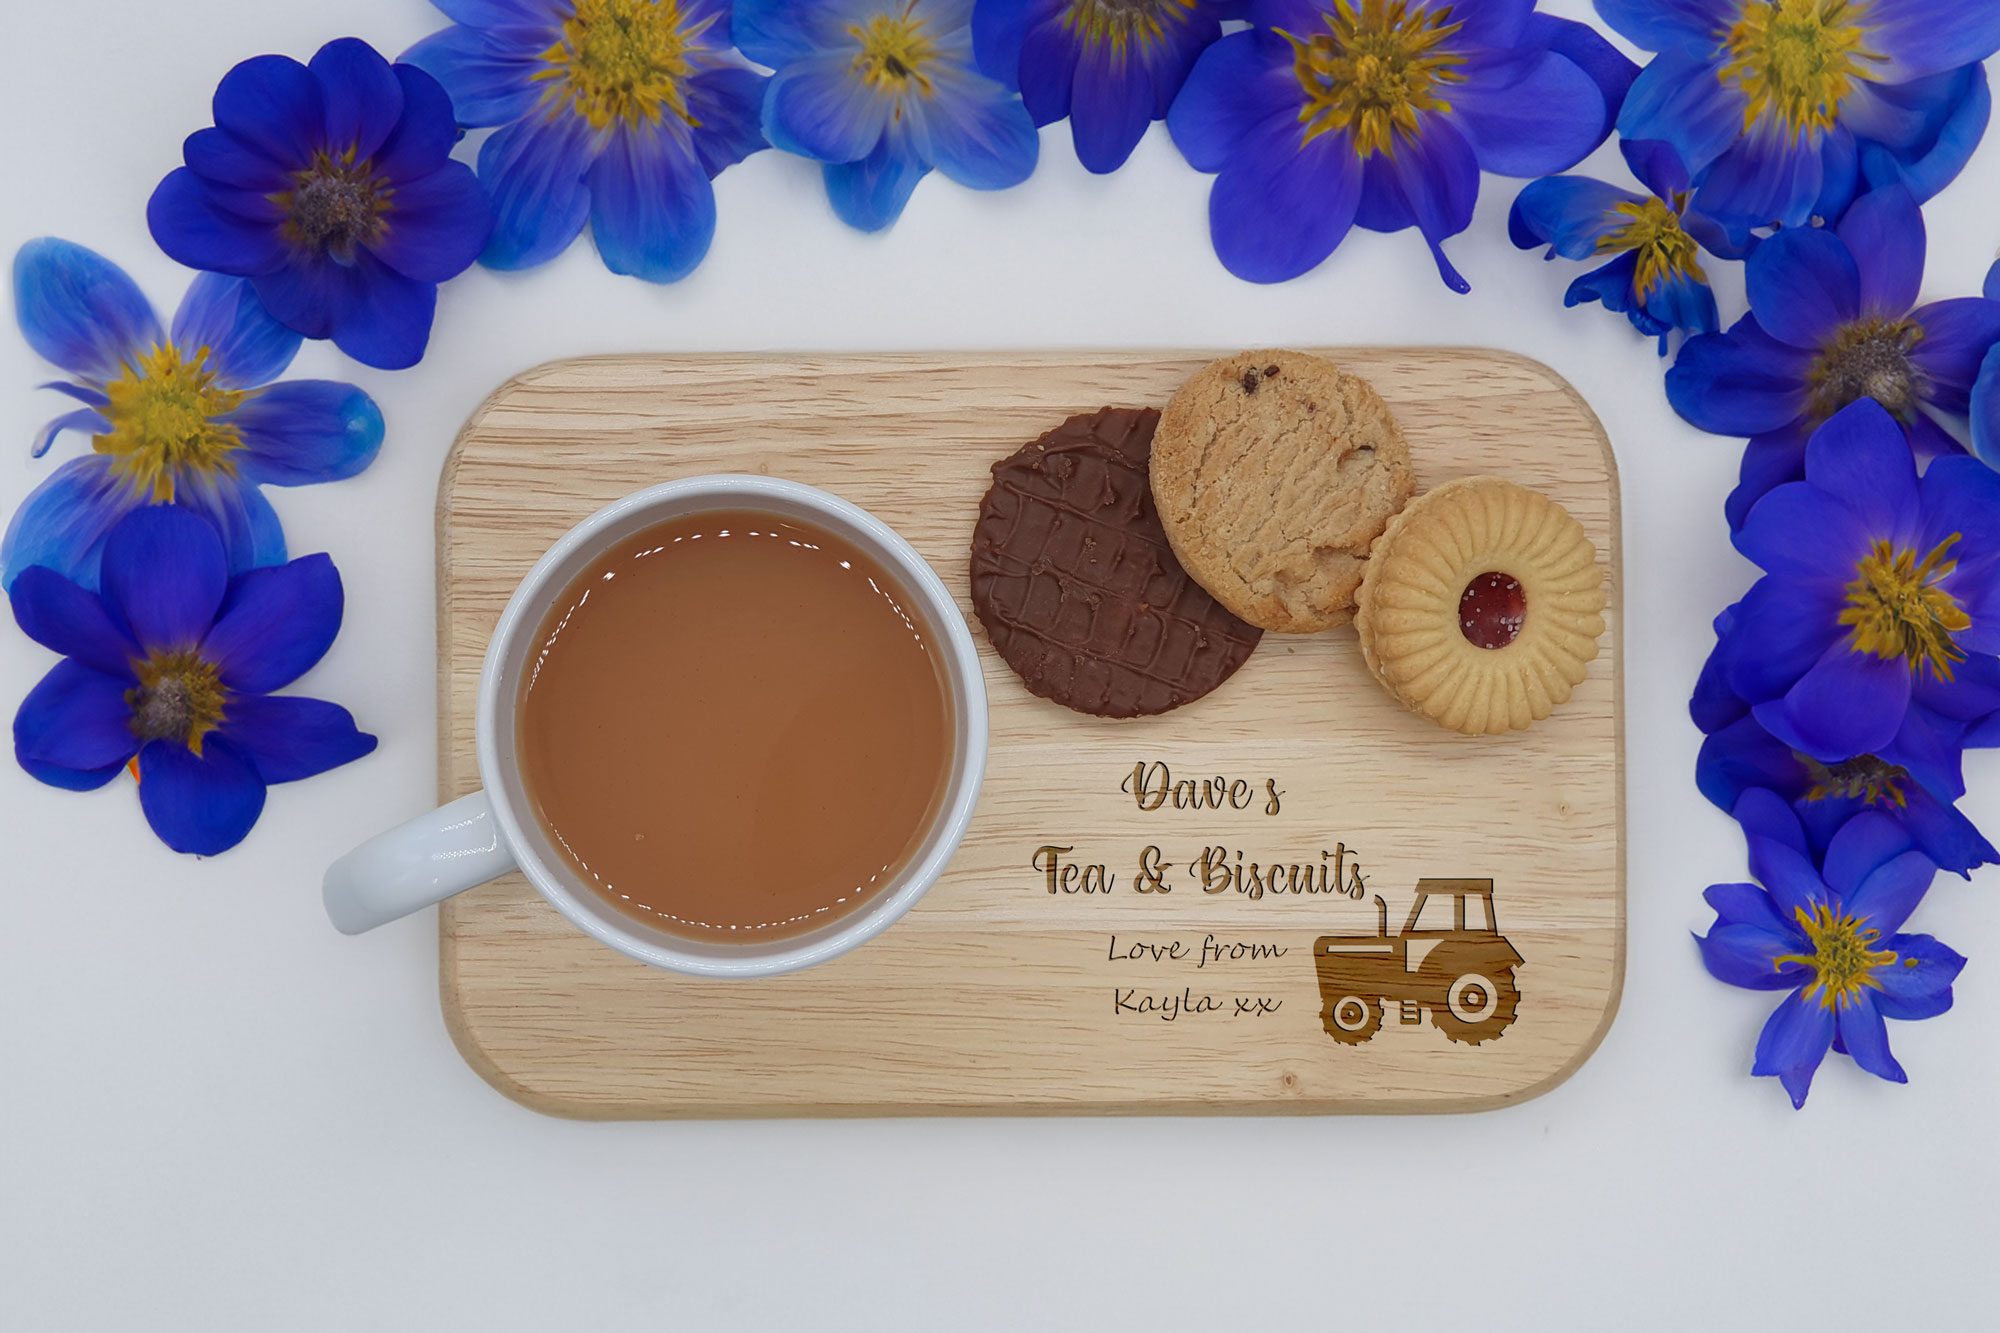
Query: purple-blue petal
x: 1747, y: 905
x: 251, y: 534
x: 68, y: 779
x: 76, y: 718
x: 63, y: 522
x: 1923, y: 971
x: 70, y: 620
x: 360, y: 94
x: 1743, y: 757
x: 437, y: 225
x: 304, y: 431
x: 1570, y: 214
x: 287, y: 737
x: 199, y: 804
x: 997, y: 29
x: 870, y: 194
x: 1794, y: 1041
x: 423, y: 138
x: 488, y: 80
x: 1849, y: 703
x: 1677, y: 99
x: 85, y: 420
x: 652, y: 208
x: 1803, y: 285
x: 1240, y: 92
x: 1667, y: 25
x: 1743, y: 382
x: 1770, y: 460
x: 1586, y: 48
x: 771, y: 32
x: 214, y: 154
x: 1545, y: 122
x: 1912, y: 38
x: 79, y: 310
x: 1111, y: 107
x: 275, y: 624
x: 372, y: 313
x: 821, y: 108
x: 1866, y: 1038
x: 1862, y: 845
x: 1746, y: 956
x: 274, y: 105
x: 1768, y: 177
x: 534, y: 170
x: 1784, y: 629
x: 1787, y: 874
x: 729, y: 104
x: 1959, y: 114
x: 1958, y: 335
x: 1860, y: 457
x: 1884, y: 234
x: 189, y: 223
x: 1892, y: 891
x: 975, y: 132
x: 1765, y: 814
x: 164, y: 574
x: 1278, y: 211
x: 1799, y: 531
x: 246, y: 347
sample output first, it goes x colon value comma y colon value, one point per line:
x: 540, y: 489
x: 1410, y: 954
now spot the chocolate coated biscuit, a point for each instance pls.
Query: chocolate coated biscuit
x: 1075, y: 582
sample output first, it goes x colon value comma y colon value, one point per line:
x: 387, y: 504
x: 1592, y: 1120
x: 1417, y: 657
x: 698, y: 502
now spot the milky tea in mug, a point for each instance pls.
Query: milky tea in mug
x: 735, y: 726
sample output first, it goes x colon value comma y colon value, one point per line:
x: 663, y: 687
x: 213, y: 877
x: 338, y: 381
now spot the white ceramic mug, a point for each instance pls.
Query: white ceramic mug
x: 483, y: 836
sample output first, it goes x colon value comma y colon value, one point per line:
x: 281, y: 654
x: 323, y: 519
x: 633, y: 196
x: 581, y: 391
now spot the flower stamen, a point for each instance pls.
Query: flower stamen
x: 1865, y: 777
x: 1377, y: 66
x: 179, y: 698
x: 1666, y: 251
x: 1124, y: 25
x: 894, y: 52
x: 1896, y: 609
x: 1796, y: 61
x: 1867, y: 358
x: 623, y: 62
x: 335, y: 205
x: 1843, y: 957
x: 167, y: 414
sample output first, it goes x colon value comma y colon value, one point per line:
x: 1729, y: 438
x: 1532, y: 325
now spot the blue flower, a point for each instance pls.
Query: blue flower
x: 881, y: 91
x: 1915, y: 779
x: 615, y: 111
x: 189, y: 418
x: 331, y: 187
x: 1655, y: 276
x: 1111, y: 66
x: 174, y: 664
x: 1985, y: 402
x: 1875, y: 580
x: 1381, y: 113
x: 1830, y: 938
x: 1786, y: 109
x: 1830, y: 323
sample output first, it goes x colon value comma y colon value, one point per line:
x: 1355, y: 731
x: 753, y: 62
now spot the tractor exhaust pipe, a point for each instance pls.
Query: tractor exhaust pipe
x: 1381, y: 916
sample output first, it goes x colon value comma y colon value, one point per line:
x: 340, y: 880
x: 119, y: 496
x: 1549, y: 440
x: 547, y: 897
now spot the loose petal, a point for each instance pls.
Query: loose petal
x: 199, y: 804
x: 79, y: 310
x: 288, y: 738
x: 68, y: 620
x: 275, y: 624
x: 222, y: 317
x: 164, y: 576
x: 76, y: 718
x: 652, y: 209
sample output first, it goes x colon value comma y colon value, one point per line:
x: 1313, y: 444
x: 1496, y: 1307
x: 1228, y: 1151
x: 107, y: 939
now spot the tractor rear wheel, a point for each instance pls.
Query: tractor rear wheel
x: 1352, y: 1019
x: 1477, y: 1007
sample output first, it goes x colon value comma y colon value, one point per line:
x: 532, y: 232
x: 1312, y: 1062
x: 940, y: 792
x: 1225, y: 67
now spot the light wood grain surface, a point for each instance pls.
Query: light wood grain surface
x: 995, y: 995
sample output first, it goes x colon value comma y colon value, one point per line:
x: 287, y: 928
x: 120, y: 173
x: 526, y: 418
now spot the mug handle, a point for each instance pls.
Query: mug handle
x: 453, y: 848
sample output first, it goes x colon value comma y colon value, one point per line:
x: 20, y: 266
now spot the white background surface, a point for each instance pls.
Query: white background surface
x: 215, y: 1113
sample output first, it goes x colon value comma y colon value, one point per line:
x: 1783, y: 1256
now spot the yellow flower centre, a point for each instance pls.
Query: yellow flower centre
x: 179, y: 698
x: 894, y: 50
x: 335, y: 204
x: 1665, y: 249
x: 1896, y: 609
x: 1869, y: 358
x: 622, y: 62
x: 1867, y: 778
x: 165, y: 417
x: 1375, y: 68
x: 1843, y: 957
x: 1123, y: 24
x: 1796, y: 60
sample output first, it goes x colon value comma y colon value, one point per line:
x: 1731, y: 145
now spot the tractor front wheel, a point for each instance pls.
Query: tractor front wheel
x: 1352, y: 1019
x: 1477, y: 1007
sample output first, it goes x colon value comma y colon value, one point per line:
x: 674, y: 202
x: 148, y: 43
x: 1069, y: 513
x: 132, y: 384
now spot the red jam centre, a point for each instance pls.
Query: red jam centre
x: 1491, y: 609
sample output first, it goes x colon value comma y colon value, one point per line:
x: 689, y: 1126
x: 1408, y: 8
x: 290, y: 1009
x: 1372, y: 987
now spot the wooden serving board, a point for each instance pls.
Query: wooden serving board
x: 1108, y: 990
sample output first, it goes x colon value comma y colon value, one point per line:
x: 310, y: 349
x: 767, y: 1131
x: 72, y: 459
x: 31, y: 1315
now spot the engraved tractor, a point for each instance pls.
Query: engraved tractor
x: 1461, y: 969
